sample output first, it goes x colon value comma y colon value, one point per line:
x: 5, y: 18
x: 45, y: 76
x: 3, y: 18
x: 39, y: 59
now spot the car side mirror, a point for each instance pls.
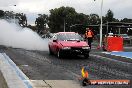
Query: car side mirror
x: 54, y: 40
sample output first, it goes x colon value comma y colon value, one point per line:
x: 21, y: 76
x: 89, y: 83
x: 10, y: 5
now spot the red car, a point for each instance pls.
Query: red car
x: 64, y: 43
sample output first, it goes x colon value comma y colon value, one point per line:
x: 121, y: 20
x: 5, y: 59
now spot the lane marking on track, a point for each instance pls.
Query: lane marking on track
x: 110, y: 59
x: 121, y: 54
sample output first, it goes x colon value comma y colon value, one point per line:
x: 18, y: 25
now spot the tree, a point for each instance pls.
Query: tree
x: 8, y: 15
x: 115, y: 20
x: 81, y: 18
x: 104, y: 19
x: 109, y: 16
x: 94, y: 19
x: 59, y: 16
x: 1, y: 13
x: 126, y: 20
x: 41, y: 22
x: 22, y: 19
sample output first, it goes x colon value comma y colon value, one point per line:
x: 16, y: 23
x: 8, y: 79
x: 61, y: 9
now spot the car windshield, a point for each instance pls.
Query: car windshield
x: 69, y: 37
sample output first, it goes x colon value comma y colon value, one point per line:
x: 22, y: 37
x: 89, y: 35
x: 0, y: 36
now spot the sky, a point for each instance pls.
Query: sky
x: 121, y: 8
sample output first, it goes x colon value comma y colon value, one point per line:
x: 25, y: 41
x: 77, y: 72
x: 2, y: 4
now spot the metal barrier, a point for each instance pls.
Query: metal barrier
x: 3, y: 83
x: 128, y: 42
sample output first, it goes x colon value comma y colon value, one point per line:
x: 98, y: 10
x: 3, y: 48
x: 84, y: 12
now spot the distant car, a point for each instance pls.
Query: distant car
x: 125, y: 36
x: 64, y: 43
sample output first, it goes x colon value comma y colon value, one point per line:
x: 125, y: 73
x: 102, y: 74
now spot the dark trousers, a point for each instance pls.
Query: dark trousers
x: 90, y: 40
x: 86, y: 82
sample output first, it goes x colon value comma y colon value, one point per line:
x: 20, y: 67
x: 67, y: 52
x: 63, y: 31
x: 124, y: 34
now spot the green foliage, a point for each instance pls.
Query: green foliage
x: 68, y: 15
x: 41, y: 22
x: 8, y: 15
x: 109, y: 16
x: 59, y: 15
x: 126, y: 20
x: 63, y: 15
x: 1, y: 13
x: 94, y: 19
x: 22, y: 19
x: 104, y: 19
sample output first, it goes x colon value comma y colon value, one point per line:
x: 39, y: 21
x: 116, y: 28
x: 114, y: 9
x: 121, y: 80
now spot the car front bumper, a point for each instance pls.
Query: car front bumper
x: 75, y: 51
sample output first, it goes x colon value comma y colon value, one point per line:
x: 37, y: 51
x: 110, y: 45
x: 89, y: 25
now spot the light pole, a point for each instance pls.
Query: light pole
x: 64, y: 24
x: 100, y: 44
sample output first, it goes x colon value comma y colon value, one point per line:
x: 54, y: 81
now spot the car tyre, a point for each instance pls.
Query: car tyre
x: 50, y: 52
x: 86, y: 56
x: 59, y: 54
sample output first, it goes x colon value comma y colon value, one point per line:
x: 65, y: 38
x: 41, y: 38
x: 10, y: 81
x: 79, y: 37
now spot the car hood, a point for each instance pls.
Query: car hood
x: 73, y: 43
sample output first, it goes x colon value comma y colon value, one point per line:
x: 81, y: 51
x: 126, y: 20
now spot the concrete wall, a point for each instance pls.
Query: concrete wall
x: 8, y: 75
x: 3, y: 83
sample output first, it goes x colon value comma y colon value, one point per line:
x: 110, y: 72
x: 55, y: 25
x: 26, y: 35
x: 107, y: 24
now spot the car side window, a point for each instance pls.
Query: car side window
x: 54, y: 37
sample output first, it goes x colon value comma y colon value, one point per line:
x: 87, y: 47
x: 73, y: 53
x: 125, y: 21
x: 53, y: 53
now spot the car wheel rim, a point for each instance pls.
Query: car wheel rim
x: 58, y: 54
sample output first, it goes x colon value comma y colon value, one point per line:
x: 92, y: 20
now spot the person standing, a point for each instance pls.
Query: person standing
x: 89, y: 36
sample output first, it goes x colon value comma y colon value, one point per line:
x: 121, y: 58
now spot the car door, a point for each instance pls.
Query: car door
x: 54, y: 43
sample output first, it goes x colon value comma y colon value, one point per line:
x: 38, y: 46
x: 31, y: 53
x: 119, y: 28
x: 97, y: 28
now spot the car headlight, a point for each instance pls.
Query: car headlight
x: 66, y: 48
x: 86, y: 47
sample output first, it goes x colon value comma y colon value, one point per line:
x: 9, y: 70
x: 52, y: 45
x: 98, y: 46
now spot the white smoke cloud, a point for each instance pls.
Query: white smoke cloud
x: 14, y: 36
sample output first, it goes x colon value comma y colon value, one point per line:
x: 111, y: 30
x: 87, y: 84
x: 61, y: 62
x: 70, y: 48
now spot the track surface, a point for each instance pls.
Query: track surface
x: 39, y: 65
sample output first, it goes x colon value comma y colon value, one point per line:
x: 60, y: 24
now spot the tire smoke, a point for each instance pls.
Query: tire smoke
x: 12, y: 35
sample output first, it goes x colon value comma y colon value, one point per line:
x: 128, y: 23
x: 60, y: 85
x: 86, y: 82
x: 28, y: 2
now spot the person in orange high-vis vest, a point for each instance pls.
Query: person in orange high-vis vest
x: 89, y: 36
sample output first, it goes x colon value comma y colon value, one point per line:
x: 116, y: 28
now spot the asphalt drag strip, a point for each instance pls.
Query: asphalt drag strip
x: 39, y: 65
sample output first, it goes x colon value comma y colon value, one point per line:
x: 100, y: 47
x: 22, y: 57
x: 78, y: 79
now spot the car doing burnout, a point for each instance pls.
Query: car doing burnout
x: 68, y: 43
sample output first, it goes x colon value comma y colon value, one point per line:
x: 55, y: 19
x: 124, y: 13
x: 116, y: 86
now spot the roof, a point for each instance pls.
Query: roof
x: 65, y: 32
x: 110, y: 24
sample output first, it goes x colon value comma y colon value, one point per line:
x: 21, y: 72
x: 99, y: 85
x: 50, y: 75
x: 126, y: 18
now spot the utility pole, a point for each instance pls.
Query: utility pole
x: 64, y: 24
x: 100, y: 42
x: 107, y: 28
x: 101, y: 25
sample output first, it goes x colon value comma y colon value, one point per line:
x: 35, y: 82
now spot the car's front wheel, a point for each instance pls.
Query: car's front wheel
x: 59, y: 54
x: 86, y: 56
